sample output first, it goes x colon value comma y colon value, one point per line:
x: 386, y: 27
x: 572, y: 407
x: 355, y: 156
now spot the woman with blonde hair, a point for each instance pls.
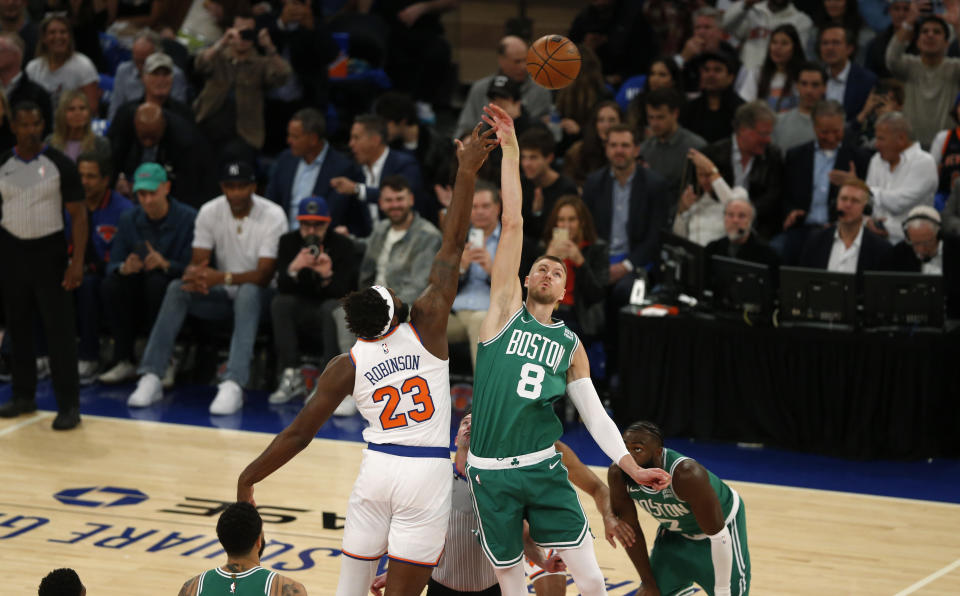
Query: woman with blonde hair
x: 58, y: 67
x: 72, y: 133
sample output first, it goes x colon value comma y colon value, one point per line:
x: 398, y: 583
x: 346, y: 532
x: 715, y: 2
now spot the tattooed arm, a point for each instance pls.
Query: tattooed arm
x: 284, y: 586
x: 190, y: 587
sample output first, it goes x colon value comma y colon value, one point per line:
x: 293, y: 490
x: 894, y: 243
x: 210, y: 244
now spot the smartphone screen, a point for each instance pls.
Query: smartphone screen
x: 561, y: 234
x: 476, y: 238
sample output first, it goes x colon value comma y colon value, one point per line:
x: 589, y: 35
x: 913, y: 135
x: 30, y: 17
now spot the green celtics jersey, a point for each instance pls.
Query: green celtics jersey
x: 519, y: 374
x: 672, y: 512
x: 252, y: 582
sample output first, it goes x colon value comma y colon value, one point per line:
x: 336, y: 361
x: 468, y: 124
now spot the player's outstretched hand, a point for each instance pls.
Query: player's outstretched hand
x: 245, y: 494
x: 474, y: 151
x: 655, y: 478
x: 497, y: 118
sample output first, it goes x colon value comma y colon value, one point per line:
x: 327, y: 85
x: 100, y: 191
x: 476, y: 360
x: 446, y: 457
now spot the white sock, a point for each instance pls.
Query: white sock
x: 582, y: 565
x: 512, y: 580
x: 355, y: 576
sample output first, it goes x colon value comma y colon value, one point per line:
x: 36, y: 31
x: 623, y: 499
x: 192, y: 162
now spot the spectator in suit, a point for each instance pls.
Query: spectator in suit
x: 317, y: 266
x: 754, y: 20
x: 14, y: 21
x: 847, y: 247
x: 848, y: 82
x: 587, y: 260
x: 512, y: 62
x: 711, y: 114
x: 165, y: 138
x: 794, y: 128
x: 241, y: 231
x: 747, y: 159
x: 368, y: 142
x: 901, y: 176
x: 434, y: 152
x: 128, y: 80
x: 16, y: 83
x: 740, y: 242
x: 932, y: 79
x: 402, y: 246
x: 629, y: 205
x: 665, y: 150
x: 105, y: 208
x: 540, y: 183
x: 307, y: 168
x: 926, y: 249
x: 151, y: 249
x: 473, y: 294
x: 809, y: 194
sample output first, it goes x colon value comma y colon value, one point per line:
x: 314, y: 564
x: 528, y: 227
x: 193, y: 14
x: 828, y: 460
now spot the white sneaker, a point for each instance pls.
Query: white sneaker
x: 148, y: 392
x: 87, y: 370
x: 229, y: 399
x: 291, y: 386
x: 119, y: 372
x: 43, y: 368
x: 348, y: 407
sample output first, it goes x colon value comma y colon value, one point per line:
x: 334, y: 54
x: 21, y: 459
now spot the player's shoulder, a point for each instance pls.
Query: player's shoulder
x: 284, y: 586
x: 190, y: 586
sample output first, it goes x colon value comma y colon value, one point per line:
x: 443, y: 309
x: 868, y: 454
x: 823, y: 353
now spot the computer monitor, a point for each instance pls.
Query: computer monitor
x: 817, y: 296
x: 681, y: 265
x: 741, y: 286
x: 902, y: 299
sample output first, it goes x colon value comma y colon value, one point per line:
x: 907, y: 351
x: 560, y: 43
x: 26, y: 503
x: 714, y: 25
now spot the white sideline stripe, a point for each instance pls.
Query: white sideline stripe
x: 930, y: 578
x: 36, y: 417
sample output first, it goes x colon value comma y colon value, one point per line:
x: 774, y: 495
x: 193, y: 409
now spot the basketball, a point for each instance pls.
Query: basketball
x: 553, y: 61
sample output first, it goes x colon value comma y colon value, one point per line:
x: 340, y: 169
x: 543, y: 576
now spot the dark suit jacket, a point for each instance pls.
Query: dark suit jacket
x: 764, y: 184
x: 860, y: 82
x: 753, y: 250
x: 902, y: 258
x: 648, y: 211
x: 874, y: 251
x: 798, y: 175
x: 346, y: 211
x: 404, y: 164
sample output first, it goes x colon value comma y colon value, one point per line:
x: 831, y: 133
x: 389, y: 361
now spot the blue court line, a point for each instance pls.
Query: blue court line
x: 934, y: 480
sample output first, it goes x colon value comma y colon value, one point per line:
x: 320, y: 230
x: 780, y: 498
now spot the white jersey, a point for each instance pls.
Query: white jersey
x: 402, y: 390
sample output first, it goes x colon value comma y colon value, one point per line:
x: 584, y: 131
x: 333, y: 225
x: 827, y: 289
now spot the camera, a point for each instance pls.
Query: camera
x: 313, y: 244
x: 248, y: 34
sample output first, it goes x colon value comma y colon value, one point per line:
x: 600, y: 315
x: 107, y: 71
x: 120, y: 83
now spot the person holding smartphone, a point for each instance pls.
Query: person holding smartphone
x: 473, y: 295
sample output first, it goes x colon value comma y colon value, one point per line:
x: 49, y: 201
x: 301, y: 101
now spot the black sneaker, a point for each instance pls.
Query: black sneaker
x: 67, y: 420
x: 16, y: 407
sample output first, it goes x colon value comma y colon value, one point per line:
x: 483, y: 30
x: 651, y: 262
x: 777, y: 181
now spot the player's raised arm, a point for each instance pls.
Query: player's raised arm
x: 333, y: 385
x: 603, y: 430
x: 691, y: 483
x: 429, y: 312
x: 505, y: 291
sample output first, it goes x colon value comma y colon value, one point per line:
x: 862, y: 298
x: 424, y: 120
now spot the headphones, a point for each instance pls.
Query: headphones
x: 923, y: 213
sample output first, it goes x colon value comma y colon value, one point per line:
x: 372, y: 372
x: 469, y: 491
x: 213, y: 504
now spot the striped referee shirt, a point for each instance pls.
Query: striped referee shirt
x: 33, y: 193
x: 463, y: 566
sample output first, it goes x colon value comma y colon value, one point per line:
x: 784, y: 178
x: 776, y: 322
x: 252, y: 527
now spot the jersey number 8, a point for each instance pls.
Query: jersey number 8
x: 420, y: 392
x: 530, y: 385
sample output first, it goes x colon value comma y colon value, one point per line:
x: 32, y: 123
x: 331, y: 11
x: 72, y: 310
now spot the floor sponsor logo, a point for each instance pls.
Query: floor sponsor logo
x: 100, y: 496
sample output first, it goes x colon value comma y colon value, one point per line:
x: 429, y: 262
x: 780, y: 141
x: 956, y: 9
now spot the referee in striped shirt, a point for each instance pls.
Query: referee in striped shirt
x: 37, y: 183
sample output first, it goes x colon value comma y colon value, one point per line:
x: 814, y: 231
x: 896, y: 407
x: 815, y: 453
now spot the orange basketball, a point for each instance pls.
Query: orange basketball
x: 553, y: 61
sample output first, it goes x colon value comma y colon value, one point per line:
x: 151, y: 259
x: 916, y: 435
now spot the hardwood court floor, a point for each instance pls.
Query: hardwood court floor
x: 132, y: 506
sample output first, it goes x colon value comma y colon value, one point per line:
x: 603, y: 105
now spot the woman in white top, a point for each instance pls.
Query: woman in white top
x: 58, y: 67
x: 776, y: 81
x: 700, y: 217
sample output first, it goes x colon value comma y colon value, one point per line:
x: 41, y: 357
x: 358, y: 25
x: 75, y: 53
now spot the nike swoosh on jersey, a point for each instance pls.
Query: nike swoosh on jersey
x: 554, y: 464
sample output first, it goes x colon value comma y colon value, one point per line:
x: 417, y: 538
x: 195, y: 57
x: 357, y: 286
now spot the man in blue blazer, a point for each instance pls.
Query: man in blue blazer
x: 306, y: 169
x: 848, y: 82
x: 368, y: 142
x: 809, y: 201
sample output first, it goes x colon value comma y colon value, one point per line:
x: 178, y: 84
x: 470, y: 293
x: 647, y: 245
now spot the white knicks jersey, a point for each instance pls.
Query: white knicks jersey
x: 402, y: 390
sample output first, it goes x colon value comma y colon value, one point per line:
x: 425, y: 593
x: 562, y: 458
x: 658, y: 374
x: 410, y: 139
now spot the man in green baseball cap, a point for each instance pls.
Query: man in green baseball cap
x: 149, y: 176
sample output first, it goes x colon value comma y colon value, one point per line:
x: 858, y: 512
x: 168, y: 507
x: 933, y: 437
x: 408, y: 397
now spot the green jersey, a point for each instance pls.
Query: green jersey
x: 672, y: 512
x: 252, y: 582
x: 519, y: 374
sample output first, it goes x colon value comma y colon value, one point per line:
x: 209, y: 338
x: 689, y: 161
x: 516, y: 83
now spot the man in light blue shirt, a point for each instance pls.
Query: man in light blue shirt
x: 473, y: 297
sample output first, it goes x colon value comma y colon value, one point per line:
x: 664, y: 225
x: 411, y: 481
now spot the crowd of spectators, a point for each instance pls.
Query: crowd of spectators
x: 231, y: 169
